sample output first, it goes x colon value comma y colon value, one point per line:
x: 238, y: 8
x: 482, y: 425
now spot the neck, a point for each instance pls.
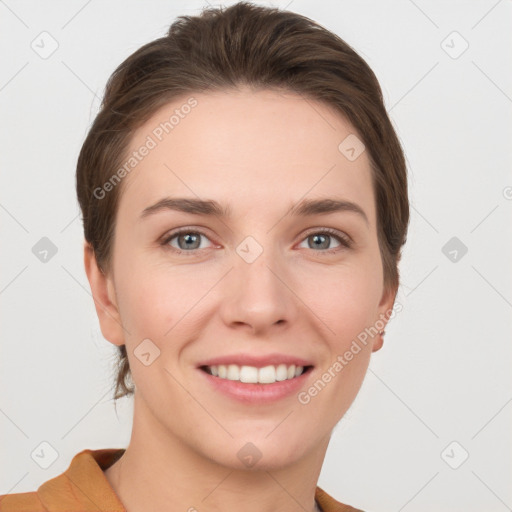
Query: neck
x: 159, y: 469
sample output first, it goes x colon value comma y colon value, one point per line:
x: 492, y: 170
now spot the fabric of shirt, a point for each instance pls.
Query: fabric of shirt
x: 83, y: 487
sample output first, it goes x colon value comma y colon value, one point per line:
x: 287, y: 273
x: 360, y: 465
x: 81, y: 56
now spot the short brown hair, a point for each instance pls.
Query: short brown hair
x: 222, y: 49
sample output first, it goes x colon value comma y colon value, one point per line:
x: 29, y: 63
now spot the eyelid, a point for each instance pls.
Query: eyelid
x: 345, y: 240
x: 345, y: 237
x: 178, y: 231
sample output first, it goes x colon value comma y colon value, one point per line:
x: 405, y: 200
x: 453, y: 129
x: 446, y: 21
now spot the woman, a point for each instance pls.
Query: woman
x: 244, y: 198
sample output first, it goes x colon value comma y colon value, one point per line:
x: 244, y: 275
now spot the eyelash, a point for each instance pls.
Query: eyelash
x: 344, y: 240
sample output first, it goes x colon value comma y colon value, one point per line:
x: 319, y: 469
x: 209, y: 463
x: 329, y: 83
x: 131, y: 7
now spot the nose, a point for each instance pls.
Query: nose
x: 258, y: 295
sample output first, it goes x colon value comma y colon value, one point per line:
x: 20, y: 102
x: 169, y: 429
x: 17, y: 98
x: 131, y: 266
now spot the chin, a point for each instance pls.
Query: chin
x: 252, y: 453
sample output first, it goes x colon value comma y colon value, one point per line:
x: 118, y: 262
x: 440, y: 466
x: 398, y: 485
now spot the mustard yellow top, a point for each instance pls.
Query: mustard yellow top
x: 84, y: 488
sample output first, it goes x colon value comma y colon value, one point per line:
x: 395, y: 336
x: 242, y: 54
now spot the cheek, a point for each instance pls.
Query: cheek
x: 154, y: 307
x: 349, y: 308
x: 156, y: 301
x: 347, y: 302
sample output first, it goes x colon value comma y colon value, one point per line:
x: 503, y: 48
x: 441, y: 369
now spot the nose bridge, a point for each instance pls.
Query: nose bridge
x: 257, y: 294
x: 256, y: 265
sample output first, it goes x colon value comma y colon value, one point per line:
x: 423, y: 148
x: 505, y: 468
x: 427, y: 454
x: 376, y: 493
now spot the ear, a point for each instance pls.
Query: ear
x: 385, y: 308
x: 103, y: 293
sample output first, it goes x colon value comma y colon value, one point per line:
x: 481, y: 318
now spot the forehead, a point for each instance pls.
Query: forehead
x: 242, y: 146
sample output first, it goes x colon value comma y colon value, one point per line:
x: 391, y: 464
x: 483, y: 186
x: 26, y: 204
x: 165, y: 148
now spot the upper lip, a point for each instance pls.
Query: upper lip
x: 257, y: 361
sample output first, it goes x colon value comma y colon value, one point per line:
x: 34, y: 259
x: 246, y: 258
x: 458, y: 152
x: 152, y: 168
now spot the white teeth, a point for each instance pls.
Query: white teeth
x: 233, y: 372
x: 267, y: 375
x: 248, y: 374
x: 253, y: 375
x: 281, y: 372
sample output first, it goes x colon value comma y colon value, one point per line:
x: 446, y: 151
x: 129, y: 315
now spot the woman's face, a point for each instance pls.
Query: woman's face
x: 260, y: 281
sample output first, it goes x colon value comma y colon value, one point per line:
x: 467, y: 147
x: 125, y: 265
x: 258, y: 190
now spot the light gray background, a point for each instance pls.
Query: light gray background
x: 443, y: 374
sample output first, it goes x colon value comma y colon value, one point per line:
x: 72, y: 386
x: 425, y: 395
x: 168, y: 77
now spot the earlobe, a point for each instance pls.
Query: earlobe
x: 385, y: 310
x: 103, y: 292
x: 378, y: 342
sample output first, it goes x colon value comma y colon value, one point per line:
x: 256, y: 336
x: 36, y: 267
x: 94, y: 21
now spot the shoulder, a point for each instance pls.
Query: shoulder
x: 82, y: 487
x: 329, y: 504
x: 21, y: 502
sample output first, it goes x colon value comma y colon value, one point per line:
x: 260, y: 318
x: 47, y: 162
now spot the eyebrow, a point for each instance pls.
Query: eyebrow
x: 304, y: 208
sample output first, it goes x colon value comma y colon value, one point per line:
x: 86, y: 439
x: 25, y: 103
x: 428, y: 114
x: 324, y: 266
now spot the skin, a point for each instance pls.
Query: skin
x: 260, y: 153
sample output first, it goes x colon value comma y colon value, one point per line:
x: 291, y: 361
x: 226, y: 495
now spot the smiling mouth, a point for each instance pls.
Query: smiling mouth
x: 253, y: 375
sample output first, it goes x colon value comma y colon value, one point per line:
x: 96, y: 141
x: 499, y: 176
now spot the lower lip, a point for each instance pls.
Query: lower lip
x: 257, y: 393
